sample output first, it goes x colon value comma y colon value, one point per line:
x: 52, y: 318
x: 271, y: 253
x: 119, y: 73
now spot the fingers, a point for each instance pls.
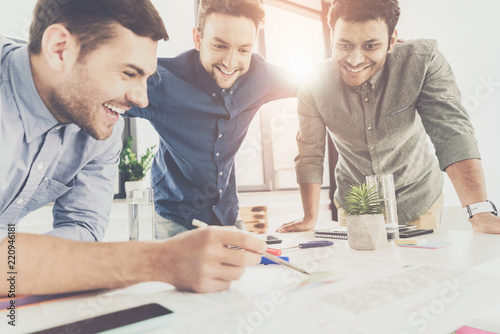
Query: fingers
x: 295, y: 226
x: 241, y: 239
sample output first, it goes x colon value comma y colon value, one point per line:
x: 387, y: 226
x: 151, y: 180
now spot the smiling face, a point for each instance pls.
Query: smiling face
x: 225, y: 47
x: 110, y: 81
x: 359, y: 49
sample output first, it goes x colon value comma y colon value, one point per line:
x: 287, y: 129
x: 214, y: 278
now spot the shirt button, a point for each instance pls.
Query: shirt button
x: 214, y: 95
x: 369, y: 128
x: 217, y: 154
x: 366, y: 99
x: 20, y: 201
x: 221, y: 173
x: 231, y: 92
x: 220, y: 135
x: 220, y: 191
x: 40, y: 166
x: 372, y: 148
x: 223, y: 90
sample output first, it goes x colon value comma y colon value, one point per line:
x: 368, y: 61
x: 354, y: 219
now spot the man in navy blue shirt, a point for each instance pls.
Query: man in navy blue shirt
x: 201, y: 105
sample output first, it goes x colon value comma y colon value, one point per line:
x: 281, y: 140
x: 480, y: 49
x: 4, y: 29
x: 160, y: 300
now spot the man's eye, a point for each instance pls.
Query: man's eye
x: 219, y: 46
x: 244, y: 51
x: 371, y: 46
x: 129, y: 74
x: 344, y: 46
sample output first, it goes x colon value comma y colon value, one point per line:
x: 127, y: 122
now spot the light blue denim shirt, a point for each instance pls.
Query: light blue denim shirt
x: 381, y: 127
x: 42, y: 161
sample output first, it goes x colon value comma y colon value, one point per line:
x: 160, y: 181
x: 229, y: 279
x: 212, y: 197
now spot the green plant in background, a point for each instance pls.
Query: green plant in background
x: 134, y: 169
x: 363, y: 199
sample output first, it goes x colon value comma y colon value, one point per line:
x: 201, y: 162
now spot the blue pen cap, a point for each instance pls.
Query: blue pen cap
x: 264, y: 260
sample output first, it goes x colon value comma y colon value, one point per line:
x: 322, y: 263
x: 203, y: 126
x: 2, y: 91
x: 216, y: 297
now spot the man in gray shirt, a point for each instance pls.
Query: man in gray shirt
x: 378, y: 100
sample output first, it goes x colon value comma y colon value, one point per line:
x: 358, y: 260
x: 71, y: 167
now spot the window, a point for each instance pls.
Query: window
x: 271, y: 138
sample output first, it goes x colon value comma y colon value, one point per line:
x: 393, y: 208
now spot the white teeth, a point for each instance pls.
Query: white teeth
x: 114, y: 108
x: 355, y: 70
x: 227, y: 73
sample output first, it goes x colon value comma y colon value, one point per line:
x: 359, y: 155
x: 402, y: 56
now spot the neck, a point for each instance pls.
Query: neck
x: 42, y: 79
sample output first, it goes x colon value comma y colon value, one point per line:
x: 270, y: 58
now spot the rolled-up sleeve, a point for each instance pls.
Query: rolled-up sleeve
x: 444, y: 117
x: 311, y: 139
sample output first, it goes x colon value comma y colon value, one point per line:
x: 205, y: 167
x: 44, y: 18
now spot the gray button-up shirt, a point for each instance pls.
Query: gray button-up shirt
x: 381, y: 127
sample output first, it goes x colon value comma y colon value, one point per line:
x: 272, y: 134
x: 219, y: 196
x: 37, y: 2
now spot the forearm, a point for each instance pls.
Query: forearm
x: 46, y: 264
x: 310, y: 193
x: 468, y: 179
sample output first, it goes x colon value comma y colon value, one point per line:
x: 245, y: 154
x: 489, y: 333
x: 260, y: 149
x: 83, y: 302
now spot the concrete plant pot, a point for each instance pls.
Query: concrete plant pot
x: 366, y: 232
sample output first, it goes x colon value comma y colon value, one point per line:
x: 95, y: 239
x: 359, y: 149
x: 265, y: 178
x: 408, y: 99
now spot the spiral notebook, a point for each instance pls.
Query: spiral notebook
x: 405, y: 231
x: 340, y: 233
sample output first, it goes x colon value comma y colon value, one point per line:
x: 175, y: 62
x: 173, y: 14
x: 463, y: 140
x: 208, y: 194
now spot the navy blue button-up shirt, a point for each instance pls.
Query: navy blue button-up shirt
x: 201, y: 127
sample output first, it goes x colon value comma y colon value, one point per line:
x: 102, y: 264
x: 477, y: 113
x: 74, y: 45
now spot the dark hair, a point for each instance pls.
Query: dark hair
x: 91, y: 21
x: 251, y: 9
x: 364, y: 10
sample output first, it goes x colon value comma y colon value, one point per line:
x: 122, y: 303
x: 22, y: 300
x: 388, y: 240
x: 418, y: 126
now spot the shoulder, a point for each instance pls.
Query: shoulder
x: 6, y: 47
x: 180, y: 65
x: 416, y: 47
x: 322, y: 76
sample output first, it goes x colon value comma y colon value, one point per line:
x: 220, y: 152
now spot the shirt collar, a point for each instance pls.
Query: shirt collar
x: 371, y: 83
x: 208, y: 83
x: 36, y: 117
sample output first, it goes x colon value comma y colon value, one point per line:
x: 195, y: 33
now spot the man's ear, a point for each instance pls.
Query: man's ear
x: 393, y: 40
x: 59, y: 47
x: 196, y: 38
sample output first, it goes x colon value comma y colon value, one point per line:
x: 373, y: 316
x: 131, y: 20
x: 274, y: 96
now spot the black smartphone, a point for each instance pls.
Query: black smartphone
x: 273, y: 240
x: 111, y: 320
x: 414, y: 233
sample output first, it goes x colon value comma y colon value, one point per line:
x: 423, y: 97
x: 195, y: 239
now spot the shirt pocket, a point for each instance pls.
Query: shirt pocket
x: 398, y: 110
x: 398, y: 120
x: 47, y: 192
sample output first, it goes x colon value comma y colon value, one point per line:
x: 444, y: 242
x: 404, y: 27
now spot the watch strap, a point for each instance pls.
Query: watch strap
x: 481, y: 207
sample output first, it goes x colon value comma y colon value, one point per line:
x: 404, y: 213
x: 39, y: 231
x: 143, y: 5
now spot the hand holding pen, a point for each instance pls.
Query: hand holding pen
x: 199, y: 260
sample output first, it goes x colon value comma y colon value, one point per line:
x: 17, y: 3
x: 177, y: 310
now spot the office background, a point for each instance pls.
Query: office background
x: 467, y: 33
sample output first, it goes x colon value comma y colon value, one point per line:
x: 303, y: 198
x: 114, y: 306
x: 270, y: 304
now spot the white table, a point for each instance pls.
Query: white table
x: 266, y: 299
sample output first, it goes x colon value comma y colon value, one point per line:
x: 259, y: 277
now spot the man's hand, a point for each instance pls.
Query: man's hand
x: 297, y: 226
x: 199, y: 260
x: 485, y: 223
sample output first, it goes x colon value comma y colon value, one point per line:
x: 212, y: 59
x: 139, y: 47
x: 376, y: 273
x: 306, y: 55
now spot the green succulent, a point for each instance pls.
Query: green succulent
x: 363, y: 199
x: 134, y: 169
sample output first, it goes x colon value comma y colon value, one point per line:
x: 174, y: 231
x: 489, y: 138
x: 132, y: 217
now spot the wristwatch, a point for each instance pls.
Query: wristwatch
x: 480, y: 207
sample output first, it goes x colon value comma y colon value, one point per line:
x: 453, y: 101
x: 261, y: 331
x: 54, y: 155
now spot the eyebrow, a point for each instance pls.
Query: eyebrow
x: 218, y: 40
x: 373, y: 40
x: 137, y: 69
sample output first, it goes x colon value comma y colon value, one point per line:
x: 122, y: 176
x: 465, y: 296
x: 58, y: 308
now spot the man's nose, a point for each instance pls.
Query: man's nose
x: 356, y: 57
x: 138, y: 95
x: 230, y: 59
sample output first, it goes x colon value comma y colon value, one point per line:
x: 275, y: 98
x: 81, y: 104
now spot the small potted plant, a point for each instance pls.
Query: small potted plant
x: 365, y: 219
x: 133, y: 169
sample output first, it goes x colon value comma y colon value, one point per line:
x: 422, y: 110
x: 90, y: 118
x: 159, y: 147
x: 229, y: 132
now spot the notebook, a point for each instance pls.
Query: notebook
x: 405, y: 231
x: 338, y: 233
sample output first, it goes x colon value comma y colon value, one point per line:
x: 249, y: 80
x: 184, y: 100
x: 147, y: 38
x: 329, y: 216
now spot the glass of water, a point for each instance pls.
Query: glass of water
x: 140, y: 214
x: 385, y: 187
